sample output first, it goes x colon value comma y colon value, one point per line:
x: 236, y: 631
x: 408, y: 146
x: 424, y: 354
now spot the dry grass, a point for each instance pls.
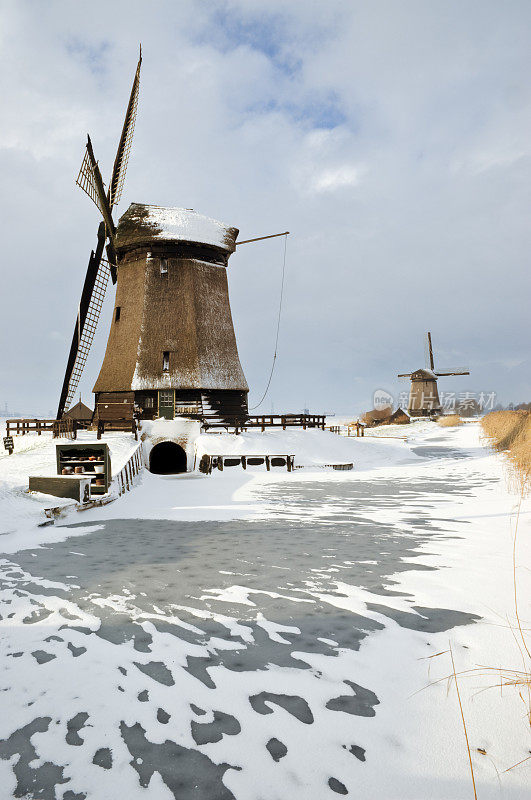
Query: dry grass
x: 450, y: 421
x: 510, y: 433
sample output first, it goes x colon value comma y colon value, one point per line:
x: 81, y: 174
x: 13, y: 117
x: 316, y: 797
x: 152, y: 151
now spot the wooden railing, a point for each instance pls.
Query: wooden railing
x: 64, y: 427
x: 124, y: 479
x: 264, y: 421
x: 23, y: 426
x: 348, y: 430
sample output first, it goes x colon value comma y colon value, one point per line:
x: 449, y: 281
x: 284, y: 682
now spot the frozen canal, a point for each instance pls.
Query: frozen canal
x: 221, y: 659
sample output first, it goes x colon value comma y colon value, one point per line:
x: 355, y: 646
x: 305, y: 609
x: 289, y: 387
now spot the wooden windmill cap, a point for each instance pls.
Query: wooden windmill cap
x: 423, y: 375
x: 144, y: 224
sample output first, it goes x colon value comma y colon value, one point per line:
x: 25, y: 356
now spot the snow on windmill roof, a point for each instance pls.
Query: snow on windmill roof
x: 143, y: 224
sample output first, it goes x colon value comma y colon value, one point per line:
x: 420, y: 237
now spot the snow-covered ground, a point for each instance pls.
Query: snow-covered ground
x: 268, y: 635
x: 21, y: 512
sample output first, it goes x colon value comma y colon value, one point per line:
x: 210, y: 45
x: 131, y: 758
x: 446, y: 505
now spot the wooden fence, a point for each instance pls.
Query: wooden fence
x: 264, y: 421
x: 22, y: 426
x: 63, y: 427
x: 348, y: 430
x: 125, y: 478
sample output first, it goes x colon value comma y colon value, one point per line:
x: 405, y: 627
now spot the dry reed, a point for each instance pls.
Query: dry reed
x: 450, y: 421
x: 509, y: 432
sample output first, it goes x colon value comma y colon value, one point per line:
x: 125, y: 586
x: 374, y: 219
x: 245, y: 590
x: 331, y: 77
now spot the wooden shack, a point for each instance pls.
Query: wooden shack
x: 172, y: 349
x: 80, y: 412
x: 399, y: 417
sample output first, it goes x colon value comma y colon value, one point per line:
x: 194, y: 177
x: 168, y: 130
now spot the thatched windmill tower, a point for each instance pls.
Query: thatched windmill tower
x: 171, y: 348
x: 423, y: 394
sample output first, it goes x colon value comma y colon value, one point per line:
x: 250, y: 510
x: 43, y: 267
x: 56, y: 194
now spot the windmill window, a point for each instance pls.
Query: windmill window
x: 163, y: 266
x: 148, y: 402
x: 117, y: 313
x: 166, y: 361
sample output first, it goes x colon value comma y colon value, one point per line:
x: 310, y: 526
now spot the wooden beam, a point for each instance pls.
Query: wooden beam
x: 261, y: 238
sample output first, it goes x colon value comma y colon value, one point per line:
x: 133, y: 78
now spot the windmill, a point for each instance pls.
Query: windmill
x: 423, y: 394
x: 99, y: 267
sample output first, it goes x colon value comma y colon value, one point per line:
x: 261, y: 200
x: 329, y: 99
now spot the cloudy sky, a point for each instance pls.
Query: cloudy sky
x: 392, y: 138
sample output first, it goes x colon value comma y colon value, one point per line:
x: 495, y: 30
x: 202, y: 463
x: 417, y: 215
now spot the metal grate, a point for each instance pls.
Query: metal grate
x: 86, y: 181
x: 86, y: 336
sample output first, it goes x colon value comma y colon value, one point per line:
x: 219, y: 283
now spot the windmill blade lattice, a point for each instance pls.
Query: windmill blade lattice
x: 86, y: 336
x: 126, y: 140
x: 90, y: 181
x: 86, y: 180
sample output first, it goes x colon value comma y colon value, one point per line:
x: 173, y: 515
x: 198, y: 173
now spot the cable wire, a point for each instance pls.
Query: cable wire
x: 278, y: 326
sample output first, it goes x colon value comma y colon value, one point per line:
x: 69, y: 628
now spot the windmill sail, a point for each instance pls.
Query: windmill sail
x: 89, y: 179
x: 86, y: 179
x: 430, y: 352
x: 88, y: 315
x: 126, y: 140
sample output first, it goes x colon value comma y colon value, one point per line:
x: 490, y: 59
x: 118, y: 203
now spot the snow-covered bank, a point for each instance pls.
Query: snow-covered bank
x: 312, y: 447
x: 179, y: 496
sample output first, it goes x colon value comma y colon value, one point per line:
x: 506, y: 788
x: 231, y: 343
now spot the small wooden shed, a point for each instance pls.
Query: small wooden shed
x: 399, y: 417
x: 80, y: 412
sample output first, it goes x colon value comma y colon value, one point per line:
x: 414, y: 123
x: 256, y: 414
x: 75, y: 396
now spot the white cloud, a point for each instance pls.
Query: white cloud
x: 331, y: 179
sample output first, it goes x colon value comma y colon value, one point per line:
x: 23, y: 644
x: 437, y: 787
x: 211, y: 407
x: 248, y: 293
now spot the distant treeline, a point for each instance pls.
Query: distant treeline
x: 513, y: 407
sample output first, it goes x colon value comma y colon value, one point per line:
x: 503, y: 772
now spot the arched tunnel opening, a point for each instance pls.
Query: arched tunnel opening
x: 167, y: 458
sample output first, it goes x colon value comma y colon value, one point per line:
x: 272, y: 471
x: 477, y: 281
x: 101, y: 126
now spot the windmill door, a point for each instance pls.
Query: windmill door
x: 167, y: 403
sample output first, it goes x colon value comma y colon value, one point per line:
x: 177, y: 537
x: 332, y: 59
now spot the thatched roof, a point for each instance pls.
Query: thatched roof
x: 79, y: 411
x: 145, y: 224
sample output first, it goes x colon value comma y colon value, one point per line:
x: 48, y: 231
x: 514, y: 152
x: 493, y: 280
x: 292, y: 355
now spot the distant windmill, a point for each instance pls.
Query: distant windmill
x: 423, y: 394
x: 99, y: 268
